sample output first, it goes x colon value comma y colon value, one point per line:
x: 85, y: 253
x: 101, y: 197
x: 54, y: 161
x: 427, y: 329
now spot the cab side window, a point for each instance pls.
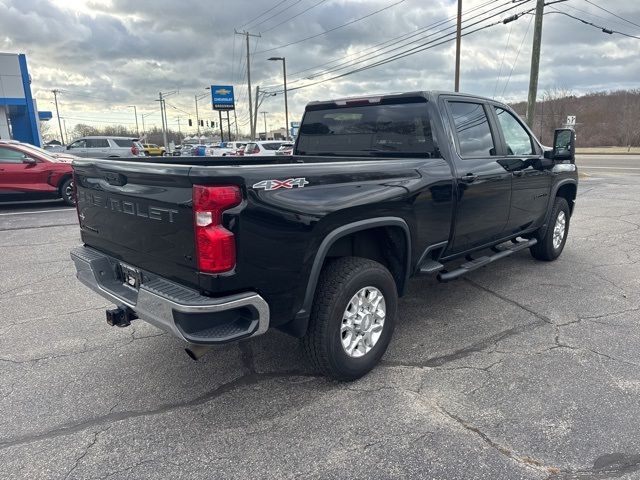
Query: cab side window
x: 11, y: 156
x: 516, y: 137
x: 472, y: 129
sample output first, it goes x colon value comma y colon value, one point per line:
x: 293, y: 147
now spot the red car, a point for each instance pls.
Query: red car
x: 31, y: 173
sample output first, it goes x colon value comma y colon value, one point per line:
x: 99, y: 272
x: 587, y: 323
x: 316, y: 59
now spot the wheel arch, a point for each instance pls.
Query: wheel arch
x: 330, y: 247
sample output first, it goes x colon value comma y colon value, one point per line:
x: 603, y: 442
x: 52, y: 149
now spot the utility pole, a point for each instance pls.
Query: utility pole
x: 265, y: 125
x: 164, y: 129
x: 286, y: 106
x: 254, y: 125
x: 55, y: 98
x: 135, y: 112
x: 197, y: 116
x: 251, y: 118
x: 458, y: 41
x: 535, y: 64
x: 235, y: 120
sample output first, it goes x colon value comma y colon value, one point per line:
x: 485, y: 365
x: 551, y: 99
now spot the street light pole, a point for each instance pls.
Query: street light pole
x: 197, y: 116
x: 286, y: 106
x: 135, y: 112
x: 265, y: 125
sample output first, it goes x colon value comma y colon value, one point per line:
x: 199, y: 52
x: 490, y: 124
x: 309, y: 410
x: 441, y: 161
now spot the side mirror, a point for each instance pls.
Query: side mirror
x: 564, y: 144
x: 29, y: 160
x: 68, y: 147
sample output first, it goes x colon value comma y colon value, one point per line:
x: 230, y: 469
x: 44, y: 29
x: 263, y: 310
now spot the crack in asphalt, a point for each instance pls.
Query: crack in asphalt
x: 36, y: 227
x: 89, y: 446
x: 525, y: 461
x: 239, y: 382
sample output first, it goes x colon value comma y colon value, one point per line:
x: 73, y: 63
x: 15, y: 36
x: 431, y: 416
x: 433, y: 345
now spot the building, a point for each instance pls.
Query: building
x: 18, y: 112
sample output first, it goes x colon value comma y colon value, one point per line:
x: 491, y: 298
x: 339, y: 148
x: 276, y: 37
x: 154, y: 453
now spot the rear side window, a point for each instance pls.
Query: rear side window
x: 271, y: 146
x: 393, y: 130
x: 125, y: 143
x: 472, y: 129
x: 97, y: 143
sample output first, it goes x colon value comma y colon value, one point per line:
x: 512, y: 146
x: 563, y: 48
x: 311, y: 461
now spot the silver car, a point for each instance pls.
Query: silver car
x: 106, y: 147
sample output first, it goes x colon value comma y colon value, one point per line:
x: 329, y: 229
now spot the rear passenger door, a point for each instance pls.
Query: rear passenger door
x: 483, y: 184
x: 531, y: 184
x: 97, y: 147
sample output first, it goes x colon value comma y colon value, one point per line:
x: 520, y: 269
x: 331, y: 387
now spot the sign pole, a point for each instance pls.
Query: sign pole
x: 228, y: 127
x: 221, y: 127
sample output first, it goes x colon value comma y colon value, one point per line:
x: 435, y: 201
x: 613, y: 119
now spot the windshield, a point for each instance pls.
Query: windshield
x: 392, y: 130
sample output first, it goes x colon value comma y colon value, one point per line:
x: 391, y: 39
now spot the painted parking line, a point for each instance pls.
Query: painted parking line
x: 37, y: 211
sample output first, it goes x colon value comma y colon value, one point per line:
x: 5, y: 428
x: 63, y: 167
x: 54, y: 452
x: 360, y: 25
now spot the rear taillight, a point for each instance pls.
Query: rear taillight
x: 256, y: 149
x: 135, y: 150
x: 215, y: 245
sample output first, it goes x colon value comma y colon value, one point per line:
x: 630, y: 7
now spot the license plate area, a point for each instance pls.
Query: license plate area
x: 130, y: 276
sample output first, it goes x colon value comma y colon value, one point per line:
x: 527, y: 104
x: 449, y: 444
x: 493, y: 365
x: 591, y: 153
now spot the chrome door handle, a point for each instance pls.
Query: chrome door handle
x: 469, y: 178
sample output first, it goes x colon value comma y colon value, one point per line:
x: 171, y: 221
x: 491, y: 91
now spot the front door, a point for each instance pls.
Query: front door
x: 484, y: 185
x: 18, y: 177
x: 78, y: 148
x: 531, y: 184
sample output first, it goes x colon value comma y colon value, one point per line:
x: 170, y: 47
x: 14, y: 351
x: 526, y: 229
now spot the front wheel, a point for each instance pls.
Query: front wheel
x: 551, y: 242
x: 66, y: 192
x: 352, y: 318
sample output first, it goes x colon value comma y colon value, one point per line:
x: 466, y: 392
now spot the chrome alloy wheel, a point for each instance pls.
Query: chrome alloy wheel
x: 363, y: 321
x: 559, y: 229
x: 68, y: 192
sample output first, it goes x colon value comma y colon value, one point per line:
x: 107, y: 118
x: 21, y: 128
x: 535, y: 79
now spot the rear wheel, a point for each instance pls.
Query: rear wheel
x: 66, y: 192
x: 352, y: 318
x: 551, y: 242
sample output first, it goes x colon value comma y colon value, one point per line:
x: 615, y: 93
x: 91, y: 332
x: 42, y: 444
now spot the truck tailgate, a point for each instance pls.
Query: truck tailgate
x: 140, y: 214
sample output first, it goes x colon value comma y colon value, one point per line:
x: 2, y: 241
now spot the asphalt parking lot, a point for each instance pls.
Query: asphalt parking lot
x: 520, y: 370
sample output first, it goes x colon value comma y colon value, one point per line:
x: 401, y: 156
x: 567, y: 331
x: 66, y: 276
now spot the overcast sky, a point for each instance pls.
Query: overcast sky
x: 107, y: 54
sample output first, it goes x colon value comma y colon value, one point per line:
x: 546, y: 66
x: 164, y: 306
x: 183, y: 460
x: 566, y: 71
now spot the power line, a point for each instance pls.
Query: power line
x: 611, y: 13
x: 504, y: 53
x: 333, y: 29
x: 263, y: 13
x: 275, y: 14
x: 586, y: 22
x: 415, y: 49
x: 394, y: 39
x: 513, y: 66
x: 294, y: 16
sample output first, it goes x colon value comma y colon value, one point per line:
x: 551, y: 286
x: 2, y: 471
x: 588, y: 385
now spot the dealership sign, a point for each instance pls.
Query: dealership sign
x: 222, y: 97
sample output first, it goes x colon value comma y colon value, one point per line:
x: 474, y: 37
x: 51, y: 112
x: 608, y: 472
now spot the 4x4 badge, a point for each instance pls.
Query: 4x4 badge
x: 276, y: 184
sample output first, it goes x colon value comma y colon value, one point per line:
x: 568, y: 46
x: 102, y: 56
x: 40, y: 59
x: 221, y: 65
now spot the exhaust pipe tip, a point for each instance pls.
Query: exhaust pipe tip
x: 196, y: 352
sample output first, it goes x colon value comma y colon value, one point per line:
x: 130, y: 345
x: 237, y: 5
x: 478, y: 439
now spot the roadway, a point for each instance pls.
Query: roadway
x: 521, y: 370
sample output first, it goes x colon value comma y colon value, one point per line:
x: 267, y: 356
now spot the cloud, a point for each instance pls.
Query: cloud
x: 108, y: 54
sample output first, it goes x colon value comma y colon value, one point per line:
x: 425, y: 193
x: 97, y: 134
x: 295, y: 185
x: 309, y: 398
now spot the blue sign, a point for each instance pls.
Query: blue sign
x: 222, y: 97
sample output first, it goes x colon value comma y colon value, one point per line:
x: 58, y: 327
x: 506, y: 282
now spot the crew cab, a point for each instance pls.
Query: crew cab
x: 320, y: 244
x: 31, y: 173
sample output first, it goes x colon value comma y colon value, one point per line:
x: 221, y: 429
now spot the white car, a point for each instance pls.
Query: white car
x: 230, y: 148
x: 262, y: 148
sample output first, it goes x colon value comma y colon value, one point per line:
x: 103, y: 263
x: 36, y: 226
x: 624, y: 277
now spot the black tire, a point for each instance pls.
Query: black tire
x: 545, y: 249
x: 66, y: 192
x: 340, y: 280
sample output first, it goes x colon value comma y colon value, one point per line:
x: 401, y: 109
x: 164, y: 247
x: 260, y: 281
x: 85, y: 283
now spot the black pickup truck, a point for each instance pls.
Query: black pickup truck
x: 320, y: 244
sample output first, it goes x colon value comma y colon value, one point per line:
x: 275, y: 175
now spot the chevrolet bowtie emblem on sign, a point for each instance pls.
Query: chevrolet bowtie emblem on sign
x: 222, y: 91
x: 269, y: 185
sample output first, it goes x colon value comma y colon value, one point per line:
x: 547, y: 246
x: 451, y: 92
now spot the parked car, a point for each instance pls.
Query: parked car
x: 285, y: 149
x: 321, y: 245
x: 106, y: 147
x: 153, y: 150
x: 230, y: 148
x: 32, y: 173
x: 262, y: 148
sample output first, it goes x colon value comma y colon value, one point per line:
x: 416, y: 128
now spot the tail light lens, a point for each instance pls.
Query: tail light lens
x: 215, y: 245
x: 134, y: 149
